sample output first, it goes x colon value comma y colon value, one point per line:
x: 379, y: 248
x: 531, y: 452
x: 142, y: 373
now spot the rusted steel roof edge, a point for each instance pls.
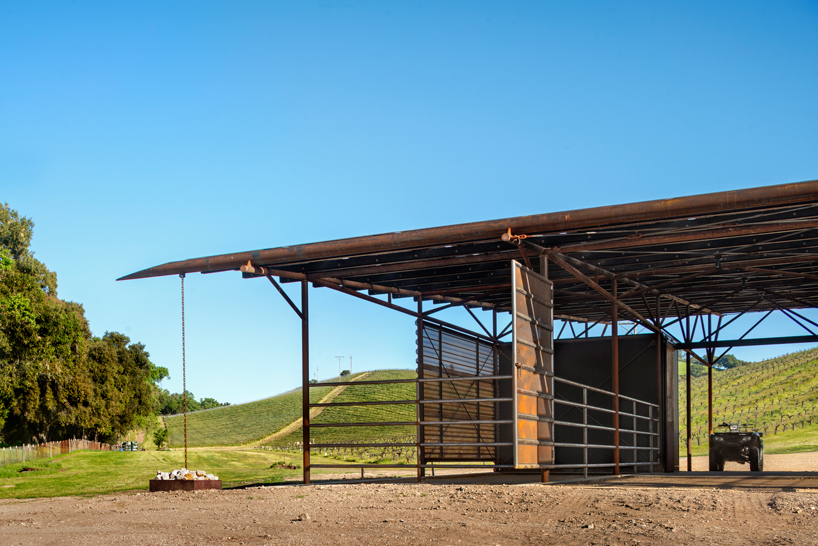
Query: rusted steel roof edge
x: 552, y: 222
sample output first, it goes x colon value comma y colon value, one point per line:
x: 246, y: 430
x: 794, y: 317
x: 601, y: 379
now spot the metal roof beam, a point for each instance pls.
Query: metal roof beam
x: 598, y: 217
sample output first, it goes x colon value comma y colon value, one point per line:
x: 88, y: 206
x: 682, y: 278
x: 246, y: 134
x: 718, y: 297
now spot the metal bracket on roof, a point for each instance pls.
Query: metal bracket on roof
x: 510, y: 238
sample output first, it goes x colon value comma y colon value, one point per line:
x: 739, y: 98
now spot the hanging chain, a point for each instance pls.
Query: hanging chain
x: 184, y: 378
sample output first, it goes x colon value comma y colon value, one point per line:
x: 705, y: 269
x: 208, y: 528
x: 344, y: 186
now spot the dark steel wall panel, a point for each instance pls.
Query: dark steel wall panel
x: 588, y: 361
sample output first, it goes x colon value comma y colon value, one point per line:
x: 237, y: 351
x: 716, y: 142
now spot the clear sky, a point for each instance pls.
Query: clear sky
x: 137, y: 133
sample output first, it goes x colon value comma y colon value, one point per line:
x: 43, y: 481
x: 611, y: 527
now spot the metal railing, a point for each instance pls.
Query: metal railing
x: 643, y: 424
x: 418, y: 403
x: 460, y: 424
x: 639, y: 430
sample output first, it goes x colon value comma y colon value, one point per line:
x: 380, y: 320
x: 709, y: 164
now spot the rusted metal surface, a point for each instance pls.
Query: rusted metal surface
x: 549, y: 222
x: 713, y: 253
x: 184, y: 485
x: 305, y: 378
x: 604, y: 293
x: 533, y: 351
x: 615, y: 374
x: 721, y: 233
x: 689, y: 410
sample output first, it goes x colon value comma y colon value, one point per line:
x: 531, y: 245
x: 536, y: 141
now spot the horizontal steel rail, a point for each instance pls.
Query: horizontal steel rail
x: 365, y: 444
x: 604, y: 410
x: 464, y: 378
x: 362, y: 403
x: 362, y: 465
x: 364, y: 424
x: 464, y: 400
x: 600, y: 427
x: 465, y: 444
x: 600, y: 465
x: 602, y: 391
x: 474, y: 422
x: 366, y: 382
x: 412, y: 423
x: 601, y: 446
x: 457, y: 465
x: 411, y: 466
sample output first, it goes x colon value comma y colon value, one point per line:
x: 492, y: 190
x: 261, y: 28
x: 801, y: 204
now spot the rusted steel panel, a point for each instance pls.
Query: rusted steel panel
x: 532, y: 456
x: 533, y: 352
x: 535, y: 382
x: 184, y: 485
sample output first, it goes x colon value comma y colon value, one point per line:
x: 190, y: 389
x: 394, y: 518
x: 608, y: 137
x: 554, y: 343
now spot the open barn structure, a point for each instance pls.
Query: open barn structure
x: 577, y: 367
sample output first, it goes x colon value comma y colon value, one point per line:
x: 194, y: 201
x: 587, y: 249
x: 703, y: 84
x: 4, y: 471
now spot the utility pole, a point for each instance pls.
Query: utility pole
x: 339, y: 365
x: 350, y: 364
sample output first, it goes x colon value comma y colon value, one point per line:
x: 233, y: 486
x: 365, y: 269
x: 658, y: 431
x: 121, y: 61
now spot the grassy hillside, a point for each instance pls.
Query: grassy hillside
x: 365, y: 414
x: 778, y: 396
x: 241, y: 423
x: 100, y: 472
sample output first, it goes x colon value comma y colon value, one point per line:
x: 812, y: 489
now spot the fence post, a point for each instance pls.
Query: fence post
x: 650, y: 432
x: 584, y: 432
x: 635, y: 440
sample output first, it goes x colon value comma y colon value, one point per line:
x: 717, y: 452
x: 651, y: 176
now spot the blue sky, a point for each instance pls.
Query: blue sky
x: 139, y: 133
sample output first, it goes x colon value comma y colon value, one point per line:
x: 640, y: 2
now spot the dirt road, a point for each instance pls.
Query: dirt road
x: 682, y: 508
x: 793, y: 462
x: 413, y: 514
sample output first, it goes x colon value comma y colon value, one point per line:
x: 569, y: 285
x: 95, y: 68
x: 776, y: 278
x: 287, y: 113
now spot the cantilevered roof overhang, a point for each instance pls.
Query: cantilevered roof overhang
x: 728, y: 252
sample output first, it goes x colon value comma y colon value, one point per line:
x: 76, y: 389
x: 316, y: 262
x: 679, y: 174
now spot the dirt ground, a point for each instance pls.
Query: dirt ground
x: 778, y: 507
x: 796, y: 462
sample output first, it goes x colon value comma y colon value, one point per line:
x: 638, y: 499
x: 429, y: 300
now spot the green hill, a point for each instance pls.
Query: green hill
x: 242, y: 424
x: 365, y: 414
x: 778, y: 397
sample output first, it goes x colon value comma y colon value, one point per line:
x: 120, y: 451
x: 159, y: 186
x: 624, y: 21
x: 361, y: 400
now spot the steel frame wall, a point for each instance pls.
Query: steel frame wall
x: 460, y: 406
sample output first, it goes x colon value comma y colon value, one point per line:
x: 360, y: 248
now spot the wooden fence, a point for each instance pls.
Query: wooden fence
x: 47, y: 450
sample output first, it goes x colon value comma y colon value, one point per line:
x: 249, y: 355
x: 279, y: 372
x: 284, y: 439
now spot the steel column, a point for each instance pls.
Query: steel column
x: 689, y: 409
x: 660, y: 399
x: 615, y: 373
x: 419, y: 414
x: 544, y: 273
x: 305, y: 377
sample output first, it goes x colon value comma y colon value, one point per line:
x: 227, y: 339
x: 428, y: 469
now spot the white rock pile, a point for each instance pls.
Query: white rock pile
x: 185, y: 474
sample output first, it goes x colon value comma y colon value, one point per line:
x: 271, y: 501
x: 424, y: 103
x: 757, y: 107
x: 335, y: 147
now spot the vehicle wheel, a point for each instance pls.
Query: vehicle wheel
x: 756, y: 459
x: 716, y: 461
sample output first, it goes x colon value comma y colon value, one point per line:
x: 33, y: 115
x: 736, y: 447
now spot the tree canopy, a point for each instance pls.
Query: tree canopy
x: 56, y: 379
x: 173, y: 403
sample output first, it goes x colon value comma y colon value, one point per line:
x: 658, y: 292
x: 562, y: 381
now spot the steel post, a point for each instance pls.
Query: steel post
x: 419, y: 413
x: 710, y: 398
x: 689, y: 409
x: 305, y: 377
x: 615, y: 373
x: 709, y: 380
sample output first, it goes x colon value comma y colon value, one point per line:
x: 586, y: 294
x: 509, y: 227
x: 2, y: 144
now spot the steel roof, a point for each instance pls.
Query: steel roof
x: 751, y: 249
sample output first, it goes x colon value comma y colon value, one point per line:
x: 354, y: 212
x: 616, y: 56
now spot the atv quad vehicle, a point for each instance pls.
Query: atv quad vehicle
x: 738, y: 443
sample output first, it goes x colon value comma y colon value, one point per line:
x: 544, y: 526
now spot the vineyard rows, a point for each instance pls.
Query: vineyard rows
x: 773, y: 396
